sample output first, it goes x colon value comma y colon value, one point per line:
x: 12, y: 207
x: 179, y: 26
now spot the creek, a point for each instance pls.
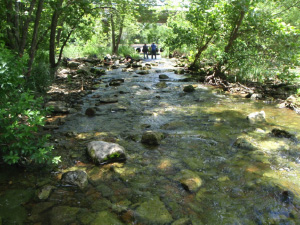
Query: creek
x: 240, y: 172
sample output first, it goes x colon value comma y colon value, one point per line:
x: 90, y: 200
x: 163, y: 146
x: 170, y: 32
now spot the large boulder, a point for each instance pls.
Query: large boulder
x: 189, y: 180
x: 152, y: 138
x: 104, y: 152
x: 77, y: 178
x: 256, y: 117
x: 153, y: 212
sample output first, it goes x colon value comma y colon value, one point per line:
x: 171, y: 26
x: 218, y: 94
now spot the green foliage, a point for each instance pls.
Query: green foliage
x: 41, y: 77
x: 20, y: 116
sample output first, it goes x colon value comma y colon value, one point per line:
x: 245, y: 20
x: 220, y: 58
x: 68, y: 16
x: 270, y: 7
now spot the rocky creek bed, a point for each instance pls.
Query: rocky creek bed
x: 152, y: 145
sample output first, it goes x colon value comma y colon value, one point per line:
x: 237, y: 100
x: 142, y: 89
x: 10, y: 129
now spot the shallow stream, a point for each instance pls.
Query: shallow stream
x: 245, y: 175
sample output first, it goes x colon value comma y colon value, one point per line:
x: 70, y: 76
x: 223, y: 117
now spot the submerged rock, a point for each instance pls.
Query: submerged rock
x: 62, y: 215
x: 90, y: 112
x: 105, y: 152
x: 152, y: 138
x: 45, y: 192
x: 189, y: 180
x: 106, y: 218
x: 161, y: 84
x: 256, y: 117
x: 77, y: 178
x: 153, y: 212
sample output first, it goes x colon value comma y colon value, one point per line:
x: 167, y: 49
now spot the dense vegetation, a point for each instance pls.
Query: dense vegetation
x: 250, y: 39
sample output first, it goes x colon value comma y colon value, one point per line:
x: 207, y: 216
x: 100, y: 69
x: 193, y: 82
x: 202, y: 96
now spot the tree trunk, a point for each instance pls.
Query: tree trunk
x: 233, y: 36
x: 120, y: 34
x: 34, y: 41
x: 201, y: 49
x: 25, y: 28
x: 52, y: 47
x: 113, y: 35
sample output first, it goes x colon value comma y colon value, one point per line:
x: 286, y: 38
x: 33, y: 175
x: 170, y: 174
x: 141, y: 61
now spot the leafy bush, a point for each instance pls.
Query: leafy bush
x: 41, y: 77
x: 20, y: 116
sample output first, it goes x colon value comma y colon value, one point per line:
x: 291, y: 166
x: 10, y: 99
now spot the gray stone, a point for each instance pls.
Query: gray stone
x: 105, y: 152
x: 256, y: 117
x: 153, y: 212
x: 152, y: 138
x: 77, y: 178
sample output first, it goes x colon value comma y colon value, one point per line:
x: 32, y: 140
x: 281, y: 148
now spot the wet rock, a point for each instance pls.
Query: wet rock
x: 281, y: 133
x: 105, y: 152
x: 58, y: 106
x: 45, y: 192
x: 152, y: 138
x: 108, y: 100
x: 62, y: 215
x: 256, y: 117
x: 82, y: 71
x: 189, y: 180
x: 244, y: 143
x: 90, y: 112
x: 136, y: 65
x: 116, y: 82
x: 163, y: 77
x: 153, y: 212
x: 143, y: 72
x: 106, y: 218
x: 189, y: 88
x: 161, y: 85
x: 182, y: 221
x: 72, y: 64
x: 256, y: 96
x: 97, y: 71
x: 179, y: 71
x: 101, y: 205
x: 77, y: 178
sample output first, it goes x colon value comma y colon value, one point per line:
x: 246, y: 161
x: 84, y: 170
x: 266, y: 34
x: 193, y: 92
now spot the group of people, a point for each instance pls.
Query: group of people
x: 128, y: 59
x: 153, y: 50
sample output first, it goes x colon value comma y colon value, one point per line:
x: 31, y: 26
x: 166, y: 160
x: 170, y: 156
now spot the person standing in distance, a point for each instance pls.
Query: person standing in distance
x: 145, y: 51
x: 153, y: 50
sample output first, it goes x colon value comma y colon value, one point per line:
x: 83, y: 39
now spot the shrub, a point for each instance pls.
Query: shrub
x: 20, y: 116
